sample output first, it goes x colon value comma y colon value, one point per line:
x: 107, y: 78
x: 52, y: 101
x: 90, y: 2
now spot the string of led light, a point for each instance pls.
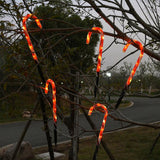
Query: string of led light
x: 50, y: 81
x: 138, y: 60
x: 30, y: 45
x: 102, y: 126
x: 100, y: 51
x: 104, y: 119
x: 133, y: 70
x: 25, y: 18
x: 100, y: 46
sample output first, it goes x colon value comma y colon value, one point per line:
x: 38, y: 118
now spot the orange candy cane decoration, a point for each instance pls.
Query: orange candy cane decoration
x: 138, y: 60
x: 50, y: 81
x: 104, y: 119
x: 133, y: 70
x: 100, y: 46
x: 99, y: 55
x: 27, y: 35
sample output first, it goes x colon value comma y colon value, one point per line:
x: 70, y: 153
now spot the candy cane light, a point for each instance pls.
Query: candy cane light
x: 100, y: 51
x: 138, y: 60
x: 50, y: 81
x: 133, y: 70
x: 104, y: 119
x: 100, y: 46
x: 25, y: 18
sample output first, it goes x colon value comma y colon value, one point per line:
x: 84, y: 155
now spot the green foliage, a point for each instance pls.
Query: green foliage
x: 72, y: 51
x: 67, y: 56
x: 12, y: 108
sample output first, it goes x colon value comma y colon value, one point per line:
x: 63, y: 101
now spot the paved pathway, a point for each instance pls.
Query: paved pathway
x: 144, y: 110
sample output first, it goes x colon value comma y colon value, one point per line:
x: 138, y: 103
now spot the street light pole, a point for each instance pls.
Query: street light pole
x: 109, y: 76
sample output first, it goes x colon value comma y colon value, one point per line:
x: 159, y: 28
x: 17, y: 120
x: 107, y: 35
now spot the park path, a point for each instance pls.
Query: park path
x: 143, y: 110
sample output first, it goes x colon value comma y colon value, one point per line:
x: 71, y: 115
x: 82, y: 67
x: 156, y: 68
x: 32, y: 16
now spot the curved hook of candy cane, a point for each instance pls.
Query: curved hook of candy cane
x: 50, y: 81
x: 100, y: 46
x: 25, y: 18
x: 100, y: 51
x: 133, y: 70
x: 104, y: 119
x: 138, y: 60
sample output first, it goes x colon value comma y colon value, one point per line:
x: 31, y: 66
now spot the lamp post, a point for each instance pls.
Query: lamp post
x: 109, y: 77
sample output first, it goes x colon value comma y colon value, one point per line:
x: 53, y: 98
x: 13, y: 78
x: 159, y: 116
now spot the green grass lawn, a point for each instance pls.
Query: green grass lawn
x: 131, y: 144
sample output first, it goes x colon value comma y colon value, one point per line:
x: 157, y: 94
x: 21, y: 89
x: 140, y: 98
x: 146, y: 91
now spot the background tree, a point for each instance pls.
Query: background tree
x: 151, y: 74
x: 127, y: 19
x: 125, y: 71
x: 141, y: 73
x: 60, y: 61
x: 63, y: 39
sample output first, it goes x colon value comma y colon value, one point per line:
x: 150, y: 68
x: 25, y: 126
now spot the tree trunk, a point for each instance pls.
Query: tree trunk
x: 46, y: 128
x: 150, y: 89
